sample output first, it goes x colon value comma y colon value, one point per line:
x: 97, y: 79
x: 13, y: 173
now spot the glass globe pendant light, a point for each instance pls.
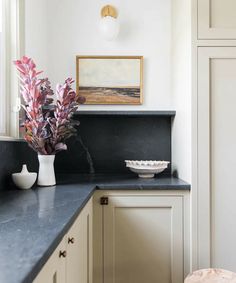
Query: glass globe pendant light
x: 109, y: 24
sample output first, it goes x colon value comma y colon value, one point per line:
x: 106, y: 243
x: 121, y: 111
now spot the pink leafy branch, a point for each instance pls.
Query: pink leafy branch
x: 46, y: 130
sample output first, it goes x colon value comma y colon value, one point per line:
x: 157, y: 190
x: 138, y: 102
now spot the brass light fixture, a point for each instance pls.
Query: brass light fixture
x: 109, y: 10
x: 109, y: 25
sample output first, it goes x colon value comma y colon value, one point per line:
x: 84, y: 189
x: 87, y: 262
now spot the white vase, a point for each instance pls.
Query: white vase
x: 46, y: 176
x: 24, y: 179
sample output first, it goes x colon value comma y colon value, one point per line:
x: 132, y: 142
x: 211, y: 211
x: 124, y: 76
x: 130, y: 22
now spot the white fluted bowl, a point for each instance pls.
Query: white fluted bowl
x: 146, y: 168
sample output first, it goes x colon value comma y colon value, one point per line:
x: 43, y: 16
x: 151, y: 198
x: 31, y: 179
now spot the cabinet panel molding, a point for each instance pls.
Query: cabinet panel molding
x: 216, y: 19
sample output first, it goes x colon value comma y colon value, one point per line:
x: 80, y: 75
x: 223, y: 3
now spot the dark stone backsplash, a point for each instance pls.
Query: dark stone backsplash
x: 101, y: 146
x: 12, y: 155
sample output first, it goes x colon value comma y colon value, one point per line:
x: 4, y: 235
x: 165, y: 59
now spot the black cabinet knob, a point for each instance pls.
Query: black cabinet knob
x: 62, y: 254
x: 71, y: 240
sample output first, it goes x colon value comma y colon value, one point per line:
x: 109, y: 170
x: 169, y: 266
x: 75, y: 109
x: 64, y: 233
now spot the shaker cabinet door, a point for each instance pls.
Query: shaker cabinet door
x: 79, y: 248
x: 216, y: 19
x: 75, y: 252
x: 72, y: 262
x: 216, y: 157
x: 143, y: 239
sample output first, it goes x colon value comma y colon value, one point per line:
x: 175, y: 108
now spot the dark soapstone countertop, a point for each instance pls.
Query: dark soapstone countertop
x: 124, y: 182
x: 33, y: 222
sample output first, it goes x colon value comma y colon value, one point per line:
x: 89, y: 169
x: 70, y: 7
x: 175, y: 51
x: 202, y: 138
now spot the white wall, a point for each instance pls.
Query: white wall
x: 0, y: 15
x: 57, y: 31
x: 36, y: 32
x: 181, y: 87
x: 72, y: 29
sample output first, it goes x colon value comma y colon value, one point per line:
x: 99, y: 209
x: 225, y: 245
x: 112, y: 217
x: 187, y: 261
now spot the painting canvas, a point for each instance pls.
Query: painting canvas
x: 110, y: 80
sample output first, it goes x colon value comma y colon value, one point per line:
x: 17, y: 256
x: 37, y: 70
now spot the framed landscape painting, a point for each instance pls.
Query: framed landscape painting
x: 110, y: 79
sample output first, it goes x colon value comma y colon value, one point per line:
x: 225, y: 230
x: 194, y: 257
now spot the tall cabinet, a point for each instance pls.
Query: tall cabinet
x: 215, y: 51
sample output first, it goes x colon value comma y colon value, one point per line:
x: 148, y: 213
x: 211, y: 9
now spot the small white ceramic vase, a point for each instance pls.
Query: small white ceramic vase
x: 24, y: 179
x: 46, y: 176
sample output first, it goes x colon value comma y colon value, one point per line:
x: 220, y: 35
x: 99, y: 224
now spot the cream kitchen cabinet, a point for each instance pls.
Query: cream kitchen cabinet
x: 140, y: 236
x: 216, y: 157
x: 71, y: 262
x: 79, y: 248
x: 216, y: 19
x: 54, y: 270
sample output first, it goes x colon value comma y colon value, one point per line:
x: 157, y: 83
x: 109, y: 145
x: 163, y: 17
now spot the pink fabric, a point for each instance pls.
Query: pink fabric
x: 211, y: 276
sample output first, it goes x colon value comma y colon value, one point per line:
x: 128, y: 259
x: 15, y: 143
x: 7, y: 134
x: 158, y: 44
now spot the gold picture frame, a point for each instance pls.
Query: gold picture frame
x: 110, y: 80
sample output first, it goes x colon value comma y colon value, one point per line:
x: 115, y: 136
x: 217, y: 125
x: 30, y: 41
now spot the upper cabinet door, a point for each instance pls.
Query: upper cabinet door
x: 216, y: 19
